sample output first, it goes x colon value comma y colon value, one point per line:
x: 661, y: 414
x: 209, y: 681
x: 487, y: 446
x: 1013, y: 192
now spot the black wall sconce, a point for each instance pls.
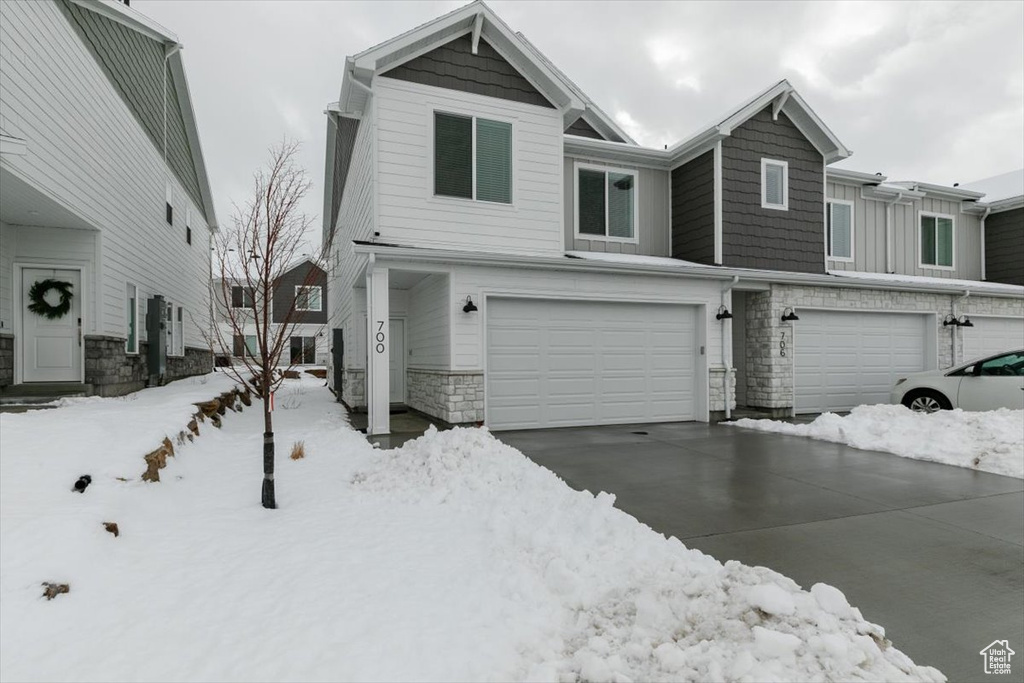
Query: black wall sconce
x: 965, y: 321
x: 789, y: 315
x: 962, y: 321
x: 470, y: 306
x: 723, y: 313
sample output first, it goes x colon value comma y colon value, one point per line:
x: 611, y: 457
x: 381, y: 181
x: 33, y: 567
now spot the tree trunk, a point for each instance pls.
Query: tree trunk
x: 269, y: 499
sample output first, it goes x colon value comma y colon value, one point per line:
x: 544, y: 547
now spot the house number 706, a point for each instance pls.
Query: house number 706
x: 380, y: 336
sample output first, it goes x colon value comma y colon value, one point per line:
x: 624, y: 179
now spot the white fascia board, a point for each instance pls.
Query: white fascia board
x: 840, y: 151
x: 126, y: 16
x: 188, y: 114
x: 858, y: 177
x: 332, y: 134
x: 592, y: 148
x: 1008, y: 204
x: 756, y: 104
x: 749, y: 275
x: 938, y: 190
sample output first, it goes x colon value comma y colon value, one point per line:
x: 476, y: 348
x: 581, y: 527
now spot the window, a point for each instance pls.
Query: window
x: 1008, y: 365
x: 170, y: 208
x: 188, y: 225
x: 251, y: 347
x: 472, y: 158
x: 307, y: 298
x: 606, y: 203
x: 131, y: 316
x: 242, y: 297
x: 840, y: 230
x: 774, y: 184
x: 936, y: 241
x: 178, y: 332
x: 303, y: 350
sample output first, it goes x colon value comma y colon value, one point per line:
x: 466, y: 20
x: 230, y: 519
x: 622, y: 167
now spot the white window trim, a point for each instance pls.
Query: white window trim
x: 785, y: 184
x: 917, y: 232
x: 127, y: 332
x: 320, y: 300
x: 177, y: 334
x: 439, y: 109
x: 577, y: 167
x: 853, y: 230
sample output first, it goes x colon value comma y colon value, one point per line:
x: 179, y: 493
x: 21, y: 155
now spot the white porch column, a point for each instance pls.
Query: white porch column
x: 378, y: 345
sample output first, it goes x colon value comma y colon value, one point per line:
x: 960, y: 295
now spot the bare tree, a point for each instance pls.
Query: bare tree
x: 266, y: 236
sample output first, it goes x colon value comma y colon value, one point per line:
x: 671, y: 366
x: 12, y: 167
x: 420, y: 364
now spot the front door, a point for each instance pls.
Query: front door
x: 51, y: 347
x: 397, y: 361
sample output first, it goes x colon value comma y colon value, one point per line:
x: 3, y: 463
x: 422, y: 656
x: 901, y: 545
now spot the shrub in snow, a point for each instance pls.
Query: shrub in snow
x: 298, y: 450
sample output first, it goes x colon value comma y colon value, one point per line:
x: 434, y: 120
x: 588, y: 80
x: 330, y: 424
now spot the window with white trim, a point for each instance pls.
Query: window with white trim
x: 308, y: 298
x: 242, y: 297
x: 472, y: 158
x: 936, y: 240
x: 178, y: 336
x: 774, y: 184
x: 840, y: 230
x: 251, y: 347
x: 606, y: 205
x: 170, y: 206
x: 302, y: 350
x: 131, y: 317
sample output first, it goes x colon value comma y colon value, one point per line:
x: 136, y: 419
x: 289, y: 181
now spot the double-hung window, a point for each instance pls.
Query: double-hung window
x: 606, y: 205
x: 308, y: 299
x: 774, y: 184
x: 936, y: 241
x: 840, y: 230
x: 131, y: 316
x: 472, y: 158
x: 242, y: 297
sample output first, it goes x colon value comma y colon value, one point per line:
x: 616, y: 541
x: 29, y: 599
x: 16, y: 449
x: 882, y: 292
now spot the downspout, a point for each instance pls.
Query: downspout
x: 988, y: 210
x: 954, y: 310
x: 889, y: 220
x: 725, y: 358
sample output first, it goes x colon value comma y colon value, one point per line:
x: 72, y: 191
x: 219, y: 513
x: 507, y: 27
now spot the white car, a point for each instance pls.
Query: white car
x: 982, y: 384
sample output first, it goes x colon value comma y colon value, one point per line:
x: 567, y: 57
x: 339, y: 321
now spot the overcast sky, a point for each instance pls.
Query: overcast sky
x: 922, y: 91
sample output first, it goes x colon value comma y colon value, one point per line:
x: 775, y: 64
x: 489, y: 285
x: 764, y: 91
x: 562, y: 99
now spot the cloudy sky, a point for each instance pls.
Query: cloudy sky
x: 925, y: 91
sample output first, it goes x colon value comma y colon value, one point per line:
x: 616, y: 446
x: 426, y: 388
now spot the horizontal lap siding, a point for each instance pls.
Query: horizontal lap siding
x: 409, y: 214
x: 652, y: 198
x: 88, y: 151
x: 693, y: 210
x: 1004, y: 247
x: 753, y: 237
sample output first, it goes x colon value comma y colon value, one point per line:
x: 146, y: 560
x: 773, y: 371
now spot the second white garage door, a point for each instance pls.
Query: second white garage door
x: 845, y: 359
x: 566, y: 363
x: 990, y: 336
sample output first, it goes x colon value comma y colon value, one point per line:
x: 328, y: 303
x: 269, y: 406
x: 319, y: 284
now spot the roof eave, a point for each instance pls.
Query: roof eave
x: 122, y: 14
x: 939, y: 190
x: 188, y: 114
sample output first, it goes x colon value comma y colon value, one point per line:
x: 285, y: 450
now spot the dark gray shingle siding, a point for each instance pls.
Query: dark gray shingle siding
x: 693, y: 210
x: 584, y: 129
x: 753, y: 237
x: 1004, y: 247
x: 134, y: 64
x: 344, y: 142
x: 284, y: 294
x: 455, y: 67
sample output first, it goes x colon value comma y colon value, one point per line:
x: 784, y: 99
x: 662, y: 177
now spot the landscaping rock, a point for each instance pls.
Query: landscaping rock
x: 52, y: 590
x: 112, y: 528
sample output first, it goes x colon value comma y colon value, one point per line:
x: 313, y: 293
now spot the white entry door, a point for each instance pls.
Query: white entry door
x: 566, y: 363
x: 51, y: 349
x: 396, y: 362
x: 846, y: 358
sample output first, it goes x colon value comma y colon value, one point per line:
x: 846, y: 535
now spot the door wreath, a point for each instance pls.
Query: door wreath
x: 40, y: 306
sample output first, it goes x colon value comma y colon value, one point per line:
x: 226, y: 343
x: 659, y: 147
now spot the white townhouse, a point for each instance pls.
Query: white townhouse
x: 502, y: 252
x: 106, y: 213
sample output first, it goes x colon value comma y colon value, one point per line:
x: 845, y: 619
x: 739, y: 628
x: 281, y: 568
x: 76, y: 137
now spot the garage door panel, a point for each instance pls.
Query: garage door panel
x: 992, y: 335
x: 590, y: 363
x: 848, y: 358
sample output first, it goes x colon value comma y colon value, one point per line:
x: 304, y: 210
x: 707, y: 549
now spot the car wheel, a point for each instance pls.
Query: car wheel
x: 926, y: 401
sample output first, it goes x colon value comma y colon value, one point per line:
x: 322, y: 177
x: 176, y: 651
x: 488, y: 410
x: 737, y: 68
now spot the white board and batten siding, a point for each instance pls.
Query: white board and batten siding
x: 869, y: 235
x: 408, y: 213
x: 844, y: 359
x: 87, y: 151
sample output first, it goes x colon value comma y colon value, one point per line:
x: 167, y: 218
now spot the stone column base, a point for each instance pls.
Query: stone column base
x: 457, y: 397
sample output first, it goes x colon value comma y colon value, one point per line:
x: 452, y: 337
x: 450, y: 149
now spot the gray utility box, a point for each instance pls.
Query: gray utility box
x: 157, y: 324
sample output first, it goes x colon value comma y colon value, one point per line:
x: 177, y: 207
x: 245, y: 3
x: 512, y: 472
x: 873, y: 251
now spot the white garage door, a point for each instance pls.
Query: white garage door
x: 845, y: 359
x: 564, y: 363
x: 990, y: 336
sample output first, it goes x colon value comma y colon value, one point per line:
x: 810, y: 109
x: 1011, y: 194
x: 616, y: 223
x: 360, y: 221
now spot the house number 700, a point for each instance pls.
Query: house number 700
x: 380, y: 336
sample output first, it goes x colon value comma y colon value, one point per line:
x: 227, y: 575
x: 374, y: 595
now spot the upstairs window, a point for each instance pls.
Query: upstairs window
x: 188, y: 225
x: 774, y: 184
x: 242, y: 297
x: 840, y: 230
x: 307, y: 299
x: 606, y: 203
x: 170, y: 207
x: 472, y: 158
x: 131, y: 314
x: 936, y: 241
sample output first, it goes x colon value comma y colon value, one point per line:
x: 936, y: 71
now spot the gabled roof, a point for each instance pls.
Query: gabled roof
x: 478, y: 20
x: 784, y: 98
x: 139, y: 23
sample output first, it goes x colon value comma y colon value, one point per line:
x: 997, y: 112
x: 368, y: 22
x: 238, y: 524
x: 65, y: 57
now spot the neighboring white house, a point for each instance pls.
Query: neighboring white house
x: 103, y: 188
x: 502, y: 252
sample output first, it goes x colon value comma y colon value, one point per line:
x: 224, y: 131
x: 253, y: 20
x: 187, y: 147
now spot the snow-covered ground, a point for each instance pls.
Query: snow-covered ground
x: 452, y: 558
x: 990, y: 441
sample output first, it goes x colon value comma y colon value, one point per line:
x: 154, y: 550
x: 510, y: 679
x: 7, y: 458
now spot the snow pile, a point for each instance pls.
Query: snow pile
x: 452, y: 558
x: 990, y: 441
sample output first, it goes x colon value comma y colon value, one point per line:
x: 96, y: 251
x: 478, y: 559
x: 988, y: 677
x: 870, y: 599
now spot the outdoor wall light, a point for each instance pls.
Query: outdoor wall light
x: 962, y: 321
x: 470, y: 306
x: 723, y: 313
x: 789, y: 315
x: 965, y: 321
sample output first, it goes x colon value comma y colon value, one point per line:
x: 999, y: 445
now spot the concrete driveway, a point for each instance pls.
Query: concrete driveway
x: 933, y: 553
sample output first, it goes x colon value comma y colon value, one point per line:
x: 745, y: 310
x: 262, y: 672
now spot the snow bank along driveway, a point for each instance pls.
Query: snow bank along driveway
x: 451, y: 558
x: 990, y: 441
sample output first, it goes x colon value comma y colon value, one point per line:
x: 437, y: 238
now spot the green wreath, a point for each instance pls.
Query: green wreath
x: 40, y: 306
